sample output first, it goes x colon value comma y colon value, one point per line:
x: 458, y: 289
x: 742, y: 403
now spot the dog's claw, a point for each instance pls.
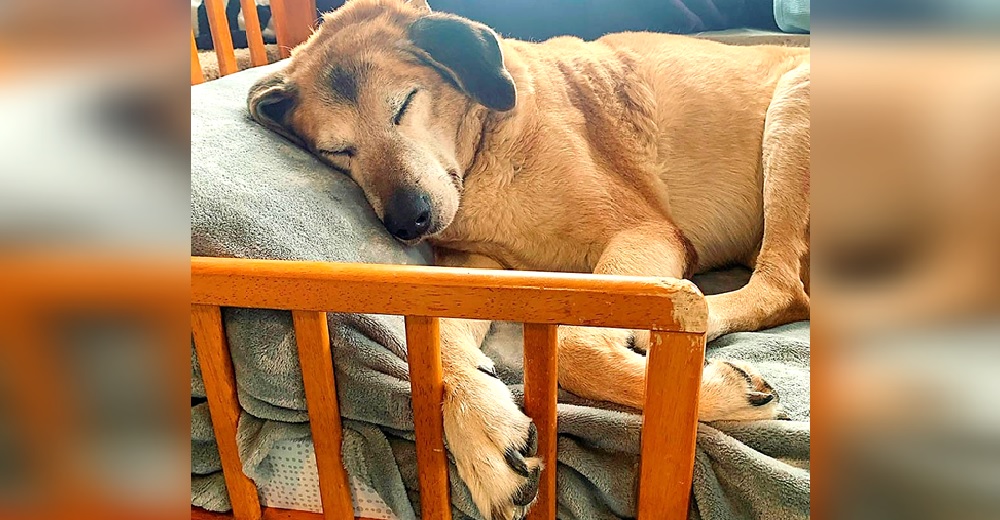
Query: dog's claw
x: 526, y: 494
x: 760, y: 398
x: 516, y: 462
x: 489, y: 370
x: 531, y: 445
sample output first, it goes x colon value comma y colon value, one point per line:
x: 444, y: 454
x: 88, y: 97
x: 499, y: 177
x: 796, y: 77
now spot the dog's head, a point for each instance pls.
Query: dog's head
x: 386, y: 91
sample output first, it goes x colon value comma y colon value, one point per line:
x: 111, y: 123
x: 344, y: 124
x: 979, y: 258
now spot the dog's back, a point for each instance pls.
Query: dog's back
x: 671, y: 120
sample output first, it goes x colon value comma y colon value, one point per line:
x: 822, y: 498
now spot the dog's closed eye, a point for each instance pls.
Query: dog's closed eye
x: 402, y: 108
x: 347, y: 151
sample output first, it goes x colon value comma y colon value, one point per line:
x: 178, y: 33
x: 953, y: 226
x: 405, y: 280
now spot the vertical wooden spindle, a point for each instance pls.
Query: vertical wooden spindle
x: 222, y: 39
x: 313, y: 338
x: 196, y: 75
x: 224, y: 406
x: 423, y: 347
x: 255, y: 40
x: 293, y: 22
x: 541, y: 395
x: 670, y: 423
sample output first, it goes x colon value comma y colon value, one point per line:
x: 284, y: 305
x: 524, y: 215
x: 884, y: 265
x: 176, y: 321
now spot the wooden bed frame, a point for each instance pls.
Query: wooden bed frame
x: 423, y: 295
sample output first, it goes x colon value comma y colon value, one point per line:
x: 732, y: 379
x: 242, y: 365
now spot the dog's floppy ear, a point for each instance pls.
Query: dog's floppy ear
x: 468, y: 54
x: 271, y: 101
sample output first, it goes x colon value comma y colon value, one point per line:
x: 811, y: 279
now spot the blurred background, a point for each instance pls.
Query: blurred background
x: 906, y: 251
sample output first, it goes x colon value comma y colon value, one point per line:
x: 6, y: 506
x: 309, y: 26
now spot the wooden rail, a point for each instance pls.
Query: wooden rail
x: 255, y: 40
x: 222, y: 38
x: 313, y: 338
x: 541, y: 382
x: 294, y: 21
x: 674, y: 311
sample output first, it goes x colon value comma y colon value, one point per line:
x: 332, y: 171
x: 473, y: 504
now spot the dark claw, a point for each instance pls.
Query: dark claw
x: 531, y: 445
x: 490, y: 371
x: 631, y: 345
x: 516, y: 462
x: 759, y: 398
x: 527, y: 493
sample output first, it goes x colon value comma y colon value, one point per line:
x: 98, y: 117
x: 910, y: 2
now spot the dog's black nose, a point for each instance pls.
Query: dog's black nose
x: 408, y: 214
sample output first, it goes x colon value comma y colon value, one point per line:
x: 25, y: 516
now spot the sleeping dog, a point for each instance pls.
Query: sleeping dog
x: 636, y: 154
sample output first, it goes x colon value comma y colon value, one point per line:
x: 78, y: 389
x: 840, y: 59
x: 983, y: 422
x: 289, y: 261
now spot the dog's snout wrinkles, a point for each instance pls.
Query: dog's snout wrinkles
x: 408, y: 214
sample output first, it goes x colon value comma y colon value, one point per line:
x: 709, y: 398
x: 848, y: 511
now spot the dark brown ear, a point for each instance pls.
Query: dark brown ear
x: 271, y: 101
x: 468, y: 54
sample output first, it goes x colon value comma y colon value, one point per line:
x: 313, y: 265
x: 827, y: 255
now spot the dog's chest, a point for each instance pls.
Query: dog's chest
x: 519, y: 233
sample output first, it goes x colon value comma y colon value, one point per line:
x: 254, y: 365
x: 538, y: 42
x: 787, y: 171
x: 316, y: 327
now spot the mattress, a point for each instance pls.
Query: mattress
x: 295, y: 483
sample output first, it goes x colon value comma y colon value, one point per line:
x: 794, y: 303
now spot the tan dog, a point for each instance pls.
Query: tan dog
x: 640, y: 154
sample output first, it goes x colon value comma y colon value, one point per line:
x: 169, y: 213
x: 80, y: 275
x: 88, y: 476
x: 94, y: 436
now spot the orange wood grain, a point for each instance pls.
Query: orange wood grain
x: 255, y: 40
x: 196, y: 75
x: 670, y: 423
x: 313, y: 338
x: 293, y: 22
x: 38, y: 281
x: 541, y: 396
x: 49, y: 422
x: 423, y: 347
x: 224, y: 407
x: 222, y: 39
x: 520, y: 296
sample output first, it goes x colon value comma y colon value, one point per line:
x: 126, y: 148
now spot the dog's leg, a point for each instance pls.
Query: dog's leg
x: 493, y: 443
x: 596, y: 363
x: 775, y: 294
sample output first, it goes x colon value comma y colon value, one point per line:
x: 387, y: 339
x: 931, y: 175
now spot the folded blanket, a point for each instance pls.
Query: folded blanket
x: 254, y: 195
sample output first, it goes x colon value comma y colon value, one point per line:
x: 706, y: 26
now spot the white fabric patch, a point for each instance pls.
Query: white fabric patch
x: 295, y: 483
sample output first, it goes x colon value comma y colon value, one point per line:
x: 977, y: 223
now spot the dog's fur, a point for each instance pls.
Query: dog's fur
x: 639, y: 153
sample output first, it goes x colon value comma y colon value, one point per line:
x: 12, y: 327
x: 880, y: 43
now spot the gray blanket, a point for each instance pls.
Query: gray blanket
x: 254, y: 195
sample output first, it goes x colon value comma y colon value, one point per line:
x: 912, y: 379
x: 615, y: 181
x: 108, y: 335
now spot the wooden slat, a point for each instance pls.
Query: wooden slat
x: 541, y: 395
x: 423, y: 347
x: 223, y: 404
x: 49, y: 421
x: 313, y: 338
x: 521, y: 296
x: 293, y: 22
x: 670, y: 423
x: 222, y: 39
x: 255, y: 40
x: 67, y: 278
x: 196, y: 75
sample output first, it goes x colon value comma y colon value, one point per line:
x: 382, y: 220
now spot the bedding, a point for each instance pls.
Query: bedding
x: 255, y: 195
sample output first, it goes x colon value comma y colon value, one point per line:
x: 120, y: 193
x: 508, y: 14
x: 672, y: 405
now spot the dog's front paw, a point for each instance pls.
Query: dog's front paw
x: 735, y: 391
x: 494, y: 446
